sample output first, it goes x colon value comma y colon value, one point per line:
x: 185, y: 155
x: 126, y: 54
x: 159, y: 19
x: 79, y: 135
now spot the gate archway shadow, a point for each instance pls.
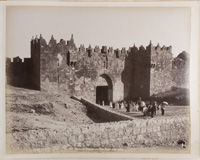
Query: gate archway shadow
x: 104, y: 90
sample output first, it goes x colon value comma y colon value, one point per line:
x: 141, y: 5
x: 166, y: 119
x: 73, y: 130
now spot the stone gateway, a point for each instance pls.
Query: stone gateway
x: 102, y: 75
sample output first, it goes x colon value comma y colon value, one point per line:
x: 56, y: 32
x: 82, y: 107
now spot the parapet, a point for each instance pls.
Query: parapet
x: 35, y: 40
x: 123, y: 51
x: 163, y: 48
x: 17, y: 60
x: 169, y: 48
x: 52, y: 41
x: 89, y: 48
x: 40, y: 40
x: 117, y: 53
x: 27, y: 60
x: 134, y: 49
x: 63, y: 42
x: 89, y: 51
x: 158, y: 47
x: 141, y: 48
x: 8, y: 60
x: 110, y: 50
x: 97, y: 49
x: 166, y: 48
x: 104, y: 49
x: 82, y: 48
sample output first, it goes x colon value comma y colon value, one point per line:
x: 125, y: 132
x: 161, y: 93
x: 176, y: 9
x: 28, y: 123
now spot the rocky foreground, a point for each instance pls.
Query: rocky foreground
x: 46, y: 122
x: 29, y: 110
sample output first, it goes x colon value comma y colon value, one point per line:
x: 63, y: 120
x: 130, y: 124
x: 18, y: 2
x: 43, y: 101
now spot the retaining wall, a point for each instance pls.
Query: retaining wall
x: 164, y: 131
x: 104, y: 113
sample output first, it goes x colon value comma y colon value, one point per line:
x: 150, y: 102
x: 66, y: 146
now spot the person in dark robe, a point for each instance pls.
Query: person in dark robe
x: 128, y: 108
x: 153, y: 109
x: 113, y: 105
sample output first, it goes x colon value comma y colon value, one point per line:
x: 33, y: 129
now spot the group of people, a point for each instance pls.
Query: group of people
x: 147, y: 108
x: 122, y: 104
x: 150, y: 108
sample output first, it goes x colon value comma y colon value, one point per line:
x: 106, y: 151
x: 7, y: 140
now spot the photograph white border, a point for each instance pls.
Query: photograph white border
x: 194, y: 78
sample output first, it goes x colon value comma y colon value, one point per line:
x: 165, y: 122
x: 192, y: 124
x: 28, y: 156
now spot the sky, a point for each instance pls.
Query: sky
x: 104, y: 26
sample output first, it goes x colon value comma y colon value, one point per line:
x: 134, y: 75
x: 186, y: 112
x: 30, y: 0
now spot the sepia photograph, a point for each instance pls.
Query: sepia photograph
x: 98, y: 79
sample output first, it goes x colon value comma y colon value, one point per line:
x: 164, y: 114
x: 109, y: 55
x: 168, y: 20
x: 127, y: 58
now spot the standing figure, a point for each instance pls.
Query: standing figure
x: 120, y: 105
x: 162, y: 106
x: 113, y: 105
x: 117, y: 105
x: 128, y: 107
x: 153, y: 109
x: 162, y: 111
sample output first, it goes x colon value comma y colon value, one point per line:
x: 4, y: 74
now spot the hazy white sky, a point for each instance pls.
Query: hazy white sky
x: 118, y: 27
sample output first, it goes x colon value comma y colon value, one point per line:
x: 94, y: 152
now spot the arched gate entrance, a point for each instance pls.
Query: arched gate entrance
x: 104, y: 90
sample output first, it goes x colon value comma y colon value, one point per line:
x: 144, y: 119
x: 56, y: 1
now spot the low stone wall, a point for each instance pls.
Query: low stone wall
x: 165, y: 131
x: 104, y: 113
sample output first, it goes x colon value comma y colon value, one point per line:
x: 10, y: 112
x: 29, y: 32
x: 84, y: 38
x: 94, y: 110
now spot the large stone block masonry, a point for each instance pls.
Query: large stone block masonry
x: 150, y: 133
x: 127, y: 74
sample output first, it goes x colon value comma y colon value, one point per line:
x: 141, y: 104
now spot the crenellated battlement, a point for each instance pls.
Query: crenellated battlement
x: 139, y: 71
x: 17, y: 60
x: 97, y: 50
x: 124, y: 51
x: 110, y: 50
x: 134, y: 49
x: 141, y: 48
x: 82, y: 48
x: 158, y: 47
x: 52, y: 42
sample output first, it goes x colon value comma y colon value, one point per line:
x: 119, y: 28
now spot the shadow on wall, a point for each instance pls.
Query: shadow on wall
x: 18, y: 73
x: 127, y: 78
x: 22, y: 74
x: 136, y: 73
x: 95, y: 118
x: 104, y: 90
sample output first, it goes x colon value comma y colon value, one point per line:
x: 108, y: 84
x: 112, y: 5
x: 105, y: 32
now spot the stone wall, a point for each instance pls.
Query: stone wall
x: 18, y: 72
x: 181, y: 73
x: 76, y: 71
x: 36, y: 46
x: 137, y: 72
x: 161, y: 70
x: 137, y: 133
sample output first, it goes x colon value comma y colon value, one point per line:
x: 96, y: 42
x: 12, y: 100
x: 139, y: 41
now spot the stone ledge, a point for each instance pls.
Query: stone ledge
x: 105, y: 113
